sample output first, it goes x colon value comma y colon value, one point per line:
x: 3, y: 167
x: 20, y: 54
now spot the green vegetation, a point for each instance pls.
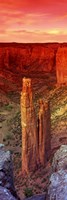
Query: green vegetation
x: 28, y: 192
x: 8, y: 107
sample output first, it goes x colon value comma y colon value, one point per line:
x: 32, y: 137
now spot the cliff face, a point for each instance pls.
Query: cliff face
x: 61, y: 65
x: 19, y: 60
x: 28, y: 58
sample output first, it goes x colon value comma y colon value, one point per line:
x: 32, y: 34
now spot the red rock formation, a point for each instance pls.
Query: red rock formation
x: 61, y: 65
x: 29, y: 133
x: 44, y: 132
x: 27, y: 57
x: 35, y: 146
x: 19, y: 60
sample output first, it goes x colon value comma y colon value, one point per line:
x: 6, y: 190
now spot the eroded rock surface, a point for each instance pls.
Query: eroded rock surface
x: 58, y: 181
x: 29, y: 133
x: 6, y: 170
x: 35, y: 142
x: 60, y: 159
x: 5, y: 194
x: 19, y: 60
x: 37, y: 197
x: 44, y: 132
x: 7, y: 190
x: 61, y: 65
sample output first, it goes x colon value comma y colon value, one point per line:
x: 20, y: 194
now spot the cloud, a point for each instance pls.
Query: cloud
x: 33, y: 36
x: 39, y: 20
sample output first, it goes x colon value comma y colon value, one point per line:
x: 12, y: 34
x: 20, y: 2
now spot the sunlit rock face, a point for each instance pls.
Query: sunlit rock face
x: 29, y: 132
x: 27, y: 57
x: 19, y: 60
x: 35, y: 133
x: 61, y: 65
x: 58, y: 181
x: 44, y: 132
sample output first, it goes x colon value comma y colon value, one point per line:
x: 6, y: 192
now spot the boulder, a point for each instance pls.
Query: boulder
x: 6, y: 169
x: 58, y: 181
x: 7, y: 189
x: 5, y: 194
x: 60, y: 159
x: 37, y: 197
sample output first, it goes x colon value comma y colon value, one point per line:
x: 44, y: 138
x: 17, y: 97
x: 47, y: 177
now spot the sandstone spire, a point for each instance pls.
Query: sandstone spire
x: 44, y: 132
x: 29, y: 133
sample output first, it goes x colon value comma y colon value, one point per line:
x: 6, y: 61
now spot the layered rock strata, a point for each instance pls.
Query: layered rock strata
x: 35, y: 141
x: 61, y: 65
x: 44, y: 131
x: 19, y: 60
x: 29, y: 133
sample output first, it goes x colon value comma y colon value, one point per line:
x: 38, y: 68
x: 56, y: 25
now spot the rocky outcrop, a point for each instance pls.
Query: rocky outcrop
x: 58, y: 181
x: 19, y: 60
x: 34, y: 141
x: 44, y: 132
x: 37, y: 197
x: 7, y: 190
x: 61, y: 65
x: 5, y: 194
x: 60, y: 159
x: 28, y: 57
x: 29, y: 133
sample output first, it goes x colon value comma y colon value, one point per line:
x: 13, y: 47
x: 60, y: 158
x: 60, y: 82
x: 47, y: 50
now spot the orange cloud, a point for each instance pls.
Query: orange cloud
x: 33, y: 21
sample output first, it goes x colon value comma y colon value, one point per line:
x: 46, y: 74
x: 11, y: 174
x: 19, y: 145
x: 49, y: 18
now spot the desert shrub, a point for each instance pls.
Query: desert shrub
x: 28, y: 192
x: 8, y: 107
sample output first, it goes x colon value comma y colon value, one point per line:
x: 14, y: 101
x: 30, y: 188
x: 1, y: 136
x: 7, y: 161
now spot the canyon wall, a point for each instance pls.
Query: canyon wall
x: 19, y: 60
x: 61, y: 65
x: 28, y: 58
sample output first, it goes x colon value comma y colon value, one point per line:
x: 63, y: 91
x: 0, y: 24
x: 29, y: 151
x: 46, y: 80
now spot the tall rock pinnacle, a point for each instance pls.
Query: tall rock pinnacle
x: 29, y: 132
x: 44, y: 131
x: 35, y: 144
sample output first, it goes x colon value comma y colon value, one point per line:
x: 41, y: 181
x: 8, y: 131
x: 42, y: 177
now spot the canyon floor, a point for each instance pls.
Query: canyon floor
x: 10, y: 129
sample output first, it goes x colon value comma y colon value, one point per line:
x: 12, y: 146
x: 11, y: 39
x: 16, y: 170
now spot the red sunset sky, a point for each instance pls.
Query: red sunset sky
x: 33, y: 20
